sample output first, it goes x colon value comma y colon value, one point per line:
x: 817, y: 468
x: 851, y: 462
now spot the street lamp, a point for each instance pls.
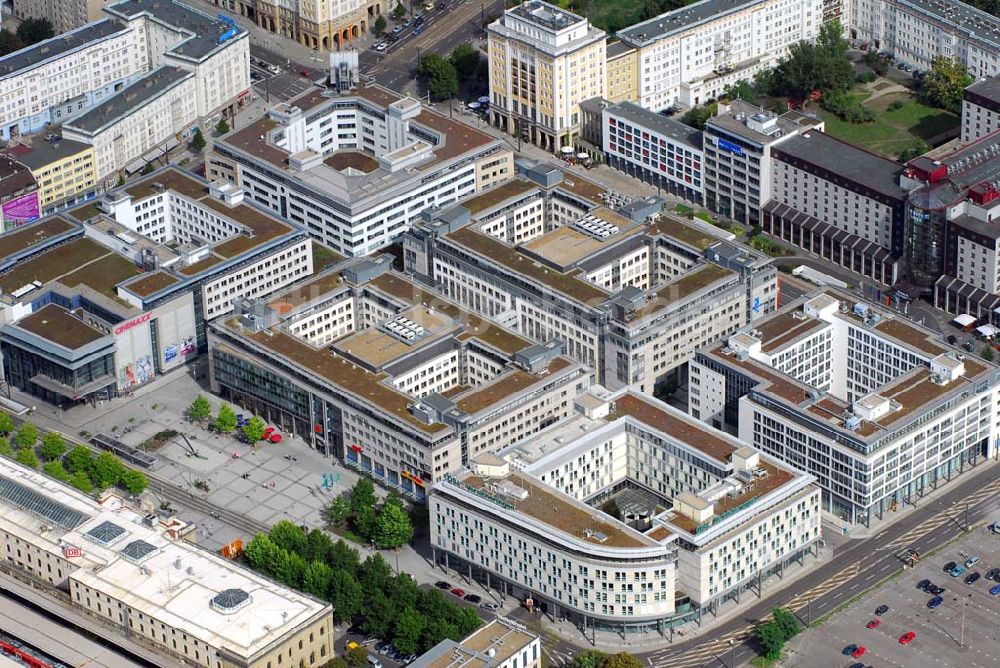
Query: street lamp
x: 732, y: 646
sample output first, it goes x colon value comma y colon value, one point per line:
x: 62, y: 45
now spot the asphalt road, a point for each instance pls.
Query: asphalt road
x: 857, y: 566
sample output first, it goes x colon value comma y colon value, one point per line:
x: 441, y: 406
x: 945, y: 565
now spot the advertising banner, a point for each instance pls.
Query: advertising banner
x: 20, y: 210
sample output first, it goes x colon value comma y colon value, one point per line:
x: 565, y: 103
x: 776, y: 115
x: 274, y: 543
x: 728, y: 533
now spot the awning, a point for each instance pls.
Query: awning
x: 964, y: 320
x: 135, y: 166
x: 567, y: 150
x: 987, y: 330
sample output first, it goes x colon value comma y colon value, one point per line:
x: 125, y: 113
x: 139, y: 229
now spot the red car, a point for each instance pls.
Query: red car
x: 859, y: 652
x: 274, y: 438
x: 304, y: 72
x: 268, y: 432
x: 907, y: 638
x: 875, y: 623
x: 458, y: 592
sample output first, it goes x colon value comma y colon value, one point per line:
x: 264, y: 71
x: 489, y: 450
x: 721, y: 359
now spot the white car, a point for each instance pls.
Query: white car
x: 972, y: 561
x: 380, y: 46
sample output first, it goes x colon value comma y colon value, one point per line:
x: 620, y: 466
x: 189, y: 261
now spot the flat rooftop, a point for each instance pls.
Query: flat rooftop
x: 116, y: 107
x: 564, y: 513
x: 24, y: 237
x: 673, y: 227
x: 988, y: 88
x: 682, y: 287
x: 663, y: 125
x: 492, y: 645
x: 681, y: 19
x: 570, y: 284
x: 205, y: 28
x: 377, y: 348
x: 44, y: 153
x: 498, y: 195
x: 58, y: 325
x: 566, y: 246
x: 63, y: 259
x: 304, y: 292
x: 856, y: 165
x: 152, y: 283
x: 785, y: 328
x: 57, y: 46
x: 503, y: 386
x: 788, y: 122
x: 676, y: 425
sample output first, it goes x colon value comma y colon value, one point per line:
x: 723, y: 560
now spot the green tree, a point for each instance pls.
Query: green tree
x: 316, y: 579
x: 399, y: 11
x: 148, y: 168
x: 225, y: 421
x: 987, y: 353
x: 376, y: 574
x: 942, y: 86
x: 263, y: 555
x: 5, y: 448
x: 466, y: 619
x: 591, y: 658
x: 364, y: 522
x: 222, y: 127
x: 362, y: 494
x: 106, y: 470
x: 27, y: 457
x: 343, y: 557
x: 377, y: 615
x: 9, y: 42
x: 379, y: 27
x: 437, y: 629
x: 32, y: 31
x: 26, y: 436
x: 199, y: 410
x: 53, y: 446
x: 318, y: 545
x: 465, y: 60
x: 357, y: 657
x: 288, y: 536
x: 338, y: 511
x: 408, y: 628
x: 787, y: 622
x: 915, y: 149
x: 771, y: 640
x: 392, y: 528
x: 56, y: 470
x: 742, y: 90
x: 439, y: 76
x: 81, y: 481
x: 876, y: 63
x: 79, y: 459
x: 346, y: 595
x: 336, y: 662
x: 6, y: 423
x: 622, y: 660
x: 134, y: 482
x: 291, y: 569
x: 696, y: 117
x: 253, y: 430
x: 198, y: 141
x: 823, y: 65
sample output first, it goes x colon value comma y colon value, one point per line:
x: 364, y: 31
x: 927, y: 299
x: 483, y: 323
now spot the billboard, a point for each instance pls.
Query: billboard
x: 20, y: 210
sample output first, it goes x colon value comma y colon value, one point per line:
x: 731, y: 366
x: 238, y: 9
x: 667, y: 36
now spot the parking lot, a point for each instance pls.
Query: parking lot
x: 962, y: 630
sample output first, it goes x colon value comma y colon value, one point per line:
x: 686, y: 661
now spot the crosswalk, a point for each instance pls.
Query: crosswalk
x: 719, y: 647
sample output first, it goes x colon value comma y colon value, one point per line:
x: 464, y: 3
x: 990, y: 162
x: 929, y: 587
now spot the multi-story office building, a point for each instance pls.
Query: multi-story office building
x: 55, y: 80
x: 64, y: 171
x: 319, y: 24
x: 544, y: 61
x: 396, y: 381
x: 64, y: 15
x: 918, y: 31
x: 980, y: 109
x: 656, y: 149
x: 690, y: 55
x: 138, y: 573
x: 357, y: 169
x: 94, y: 308
x: 737, y: 144
x: 632, y: 292
x: 574, y: 518
x: 840, y: 202
x: 147, y: 116
x: 876, y: 408
x: 501, y: 643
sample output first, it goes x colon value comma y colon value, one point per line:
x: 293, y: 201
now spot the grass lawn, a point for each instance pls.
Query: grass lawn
x: 894, y: 130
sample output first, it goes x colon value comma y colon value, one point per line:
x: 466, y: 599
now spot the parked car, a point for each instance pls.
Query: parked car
x: 993, y: 574
x: 859, y: 652
x: 952, y: 340
x: 950, y: 565
x: 849, y: 650
x: 397, y: 30
x: 458, y: 591
x: 934, y: 602
x: 958, y: 570
x: 874, y: 624
x: 441, y: 584
x: 972, y: 561
x: 304, y: 72
x: 490, y: 607
x: 972, y: 578
x: 472, y: 598
x: 935, y: 590
x: 923, y: 585
x: 995, y: 589
x: 881, y: 610
x: 418, y: 30
x: 907, y: 638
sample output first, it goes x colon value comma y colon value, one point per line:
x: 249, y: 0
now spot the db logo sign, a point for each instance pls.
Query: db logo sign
x: 70, y: 552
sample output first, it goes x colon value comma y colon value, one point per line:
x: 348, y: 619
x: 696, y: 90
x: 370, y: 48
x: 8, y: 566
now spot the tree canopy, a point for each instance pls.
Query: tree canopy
x: 822, y: 65
x: 53, y: 446
x: 943, y: 84
x: 225, y: 421
x: 26, y: 436
x: 106, y: 470
x: 439, y: 76
x: 253, y: 430
x: 79, y: 459
x: 199, y: 410
x: 393, y: 527
x: 32, y: 31
x: 465, y: 59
